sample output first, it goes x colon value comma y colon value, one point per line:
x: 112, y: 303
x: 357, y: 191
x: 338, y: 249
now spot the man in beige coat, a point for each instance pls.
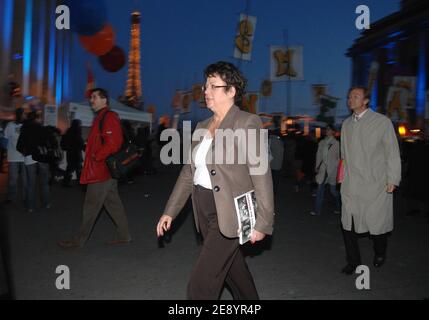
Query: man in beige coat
x: 215, y: 176
x: 327, y: 158
x: 372, y: 170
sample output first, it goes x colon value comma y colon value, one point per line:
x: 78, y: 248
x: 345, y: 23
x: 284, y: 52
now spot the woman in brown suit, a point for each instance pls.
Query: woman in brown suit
x: 217, y: 173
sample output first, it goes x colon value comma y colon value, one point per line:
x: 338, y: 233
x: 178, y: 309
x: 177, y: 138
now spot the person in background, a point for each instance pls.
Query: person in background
x: 14, y: 157
x: 102, y: 189
x: 3, y: 147
x: 276, y: 155
x: 72, y: 143
x: 327, y: 158
x: 33, y: 136
x: 372, y: 171
x: 129, y: 138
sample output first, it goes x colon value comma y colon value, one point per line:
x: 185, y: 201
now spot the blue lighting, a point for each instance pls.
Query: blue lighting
x: 395, y: 34
x: 373, y: 102
x: 51, y: 62
x: 17, y: 56
x: 41, y: 45
x: 421, y: 77
x: 27, y: 46
x: 7, y: 24
x: 59, y: 69
x: 390, y: 52
x: 66, y: 64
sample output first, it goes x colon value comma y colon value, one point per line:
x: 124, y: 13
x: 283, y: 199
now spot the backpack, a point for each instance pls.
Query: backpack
x: 126, y: 160
x: 46, y: 149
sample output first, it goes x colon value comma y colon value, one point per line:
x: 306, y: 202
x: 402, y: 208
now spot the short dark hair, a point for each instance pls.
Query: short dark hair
x: 230, y: 74
x: 365, y: 91
x: 31, y: 116
x: 102, y: 93
x: 331, y: 127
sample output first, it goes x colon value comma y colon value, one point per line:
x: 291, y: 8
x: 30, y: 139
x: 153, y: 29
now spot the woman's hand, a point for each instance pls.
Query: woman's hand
x: 256, y: 236
x: 164, y: 224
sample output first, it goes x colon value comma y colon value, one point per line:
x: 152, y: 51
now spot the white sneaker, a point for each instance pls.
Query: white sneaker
x: 313, y: 213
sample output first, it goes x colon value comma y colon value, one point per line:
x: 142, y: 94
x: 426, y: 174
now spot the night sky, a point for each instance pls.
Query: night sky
x: 180, y: 38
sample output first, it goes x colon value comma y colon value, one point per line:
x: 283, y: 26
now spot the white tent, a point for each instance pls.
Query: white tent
x: 84, y: 113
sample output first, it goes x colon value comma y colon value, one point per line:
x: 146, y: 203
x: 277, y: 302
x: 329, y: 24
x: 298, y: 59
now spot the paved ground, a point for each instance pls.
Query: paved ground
x: 301, y: 261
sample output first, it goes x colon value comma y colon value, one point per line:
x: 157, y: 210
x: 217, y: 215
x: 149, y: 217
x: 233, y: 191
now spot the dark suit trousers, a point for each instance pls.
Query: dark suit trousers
x: 352, y: 246
x: 220, y: 259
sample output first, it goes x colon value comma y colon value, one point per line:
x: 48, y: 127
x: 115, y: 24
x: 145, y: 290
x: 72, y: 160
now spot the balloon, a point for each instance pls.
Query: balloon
x: 101, y: 42
x: 87, y: 17
x: 114, y: 60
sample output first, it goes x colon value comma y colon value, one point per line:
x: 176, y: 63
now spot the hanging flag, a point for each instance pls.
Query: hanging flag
x: 152, y: 110
x: 250, y: 102
x: 186, y: 101
x: 286, y: 63
x: 266, y: 88
x: 317, y: 91
x: 90, y: 84
x: 197, y: 91
x: 372, y: 77
x: 202, y: 101
x: 244, y: 37
x: 177, y: 99
x: 396, y: 103
x: 328, y: 105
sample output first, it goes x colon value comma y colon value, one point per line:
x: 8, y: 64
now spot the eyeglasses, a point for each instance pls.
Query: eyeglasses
x: 212, y: 87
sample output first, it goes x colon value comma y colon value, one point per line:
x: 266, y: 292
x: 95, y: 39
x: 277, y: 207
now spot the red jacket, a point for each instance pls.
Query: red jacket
x: 94, y: 167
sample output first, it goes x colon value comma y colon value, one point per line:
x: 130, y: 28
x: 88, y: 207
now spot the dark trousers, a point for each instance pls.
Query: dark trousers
x: 352, y: 246
x: 220, y: 259
x: 72, y: 167
x: 276, y: 180
x: 98, y: 195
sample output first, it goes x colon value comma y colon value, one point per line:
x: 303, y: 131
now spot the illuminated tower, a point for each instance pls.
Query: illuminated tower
x: 133, y: 93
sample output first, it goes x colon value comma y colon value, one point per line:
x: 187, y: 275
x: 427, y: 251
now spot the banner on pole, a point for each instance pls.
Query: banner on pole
x: 50, y: 115
x: 286, y: 63
x: 251, y: 102
x: 244, y: 37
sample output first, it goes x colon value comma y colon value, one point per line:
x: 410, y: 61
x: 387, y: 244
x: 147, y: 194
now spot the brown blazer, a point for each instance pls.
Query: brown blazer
x: 228, y: 180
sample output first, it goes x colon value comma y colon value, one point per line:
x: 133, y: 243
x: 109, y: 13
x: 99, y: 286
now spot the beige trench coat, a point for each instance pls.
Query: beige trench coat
x: 328, y: 167
x: 369, y: 148
x: 228, y: 180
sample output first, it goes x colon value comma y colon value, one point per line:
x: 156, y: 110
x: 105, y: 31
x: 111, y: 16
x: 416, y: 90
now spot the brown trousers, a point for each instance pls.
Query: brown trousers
x: 98, y: 195
x: 220, y: 259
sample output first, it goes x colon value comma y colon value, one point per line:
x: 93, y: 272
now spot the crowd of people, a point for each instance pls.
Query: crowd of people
x: 367, y: 157
x: 36, y: 156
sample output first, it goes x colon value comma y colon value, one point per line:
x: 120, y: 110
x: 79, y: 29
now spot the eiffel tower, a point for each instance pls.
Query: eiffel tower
x: 133, y: 92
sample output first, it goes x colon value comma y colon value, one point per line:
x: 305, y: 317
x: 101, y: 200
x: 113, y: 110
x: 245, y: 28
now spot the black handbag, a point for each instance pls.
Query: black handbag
x: 126, y: 160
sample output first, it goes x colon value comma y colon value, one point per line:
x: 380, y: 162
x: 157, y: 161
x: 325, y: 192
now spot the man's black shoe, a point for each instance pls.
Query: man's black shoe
x: 349, y: 269
x: 379, y: 261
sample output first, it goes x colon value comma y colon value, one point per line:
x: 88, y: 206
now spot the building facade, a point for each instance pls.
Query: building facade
x: 390, y: 59
x: 35, y: 55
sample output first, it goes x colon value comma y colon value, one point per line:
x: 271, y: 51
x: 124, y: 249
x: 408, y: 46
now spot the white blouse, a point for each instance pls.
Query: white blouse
x: 202, y: 176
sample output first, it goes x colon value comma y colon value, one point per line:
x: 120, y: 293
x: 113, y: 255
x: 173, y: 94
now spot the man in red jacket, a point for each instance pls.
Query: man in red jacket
x: 104, y: 139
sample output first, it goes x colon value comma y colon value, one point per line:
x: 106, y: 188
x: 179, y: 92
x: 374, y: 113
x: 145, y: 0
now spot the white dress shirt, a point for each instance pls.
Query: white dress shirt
x: 357, y: 117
